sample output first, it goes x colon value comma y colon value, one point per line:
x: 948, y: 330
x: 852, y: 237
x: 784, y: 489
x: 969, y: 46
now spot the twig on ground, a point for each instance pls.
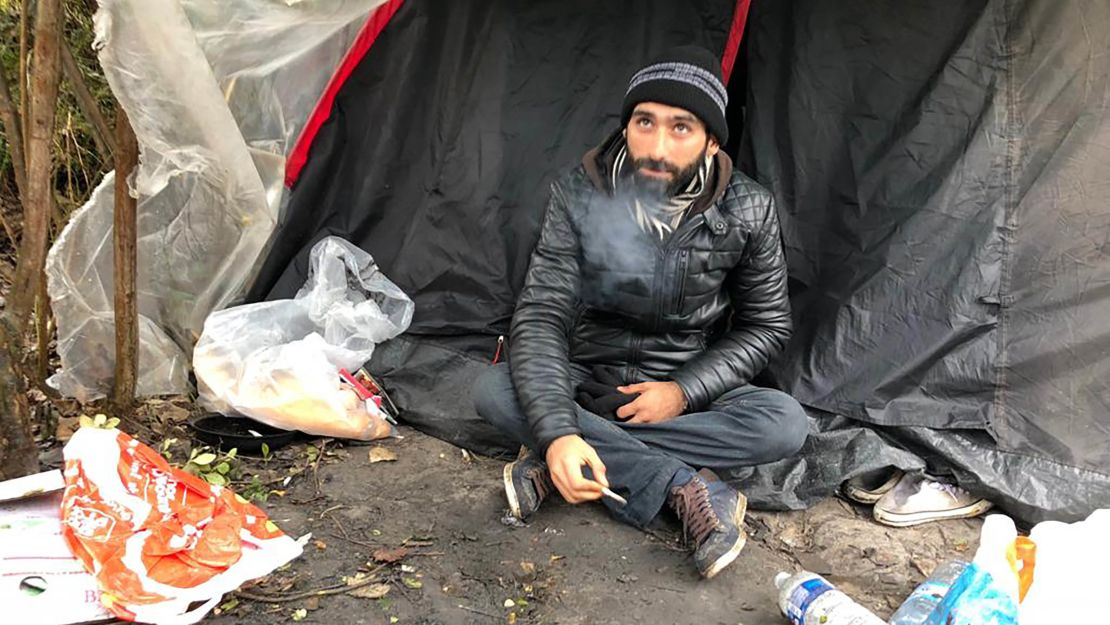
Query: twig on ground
x: 316, y: 465
x: 668, y: 541
x: 401, y: 587
x: 477, y: 611
x: 354, y: 541
x: 334, y: 589
x: 331, y: 509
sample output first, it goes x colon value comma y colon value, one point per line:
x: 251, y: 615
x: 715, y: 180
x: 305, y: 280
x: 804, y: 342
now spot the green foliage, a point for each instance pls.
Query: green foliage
x: 255, y: 491
x: 99, y: 421
x: 209, y: 466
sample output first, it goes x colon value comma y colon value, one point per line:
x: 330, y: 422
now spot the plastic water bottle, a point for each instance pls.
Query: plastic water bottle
x: 921, y: 602
x: 809, y: 599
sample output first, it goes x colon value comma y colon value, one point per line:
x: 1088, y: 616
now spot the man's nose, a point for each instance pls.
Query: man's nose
x: 659, y: 146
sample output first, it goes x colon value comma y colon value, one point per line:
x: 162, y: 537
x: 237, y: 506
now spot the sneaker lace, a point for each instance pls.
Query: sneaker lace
x: 694, y: 508
x: 540, y: 481
x: 953, y: 491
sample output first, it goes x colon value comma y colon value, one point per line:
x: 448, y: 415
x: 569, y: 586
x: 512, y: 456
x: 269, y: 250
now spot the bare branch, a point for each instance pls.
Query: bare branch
x: 24, y: 42
x: 102, y: 133
x: 13, y: 131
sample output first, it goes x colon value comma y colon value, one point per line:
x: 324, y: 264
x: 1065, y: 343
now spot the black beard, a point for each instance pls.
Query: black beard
x: 658, y: 187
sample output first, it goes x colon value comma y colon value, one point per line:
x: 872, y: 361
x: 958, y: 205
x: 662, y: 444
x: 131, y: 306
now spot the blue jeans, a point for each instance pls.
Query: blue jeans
x: 745, y: 426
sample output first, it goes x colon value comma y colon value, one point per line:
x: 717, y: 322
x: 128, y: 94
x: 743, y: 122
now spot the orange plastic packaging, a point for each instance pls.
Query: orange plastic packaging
x: 158, y: 539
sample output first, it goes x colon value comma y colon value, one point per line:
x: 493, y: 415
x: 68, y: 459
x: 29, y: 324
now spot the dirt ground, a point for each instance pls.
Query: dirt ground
x: 426, y: 532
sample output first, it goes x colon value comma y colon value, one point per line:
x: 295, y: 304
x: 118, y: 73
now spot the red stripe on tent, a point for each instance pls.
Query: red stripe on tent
x: 732, y: 48
x: 374, y: 26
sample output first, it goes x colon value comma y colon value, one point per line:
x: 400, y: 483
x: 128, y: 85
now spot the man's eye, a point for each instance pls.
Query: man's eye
x: 681, y: 129
x: 644, y: 122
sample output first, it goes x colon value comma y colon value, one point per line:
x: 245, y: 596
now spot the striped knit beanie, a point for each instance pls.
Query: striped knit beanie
x: 688, y: 77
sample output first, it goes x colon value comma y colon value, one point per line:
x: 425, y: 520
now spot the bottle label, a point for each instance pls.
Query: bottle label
x: 803, y: 596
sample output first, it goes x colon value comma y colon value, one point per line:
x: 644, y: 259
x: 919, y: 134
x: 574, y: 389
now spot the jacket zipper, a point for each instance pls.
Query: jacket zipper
x: 680, y: 277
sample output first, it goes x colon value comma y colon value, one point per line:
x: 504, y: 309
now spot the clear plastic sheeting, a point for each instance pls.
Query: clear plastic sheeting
x: 216, y: 91
x: 279, y: 361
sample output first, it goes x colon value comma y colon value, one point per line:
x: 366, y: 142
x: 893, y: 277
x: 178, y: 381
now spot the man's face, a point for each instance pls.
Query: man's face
x: 667, y: 145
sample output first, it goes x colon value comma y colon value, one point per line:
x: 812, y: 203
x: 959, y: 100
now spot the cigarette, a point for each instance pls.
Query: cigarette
x: 615, y: 497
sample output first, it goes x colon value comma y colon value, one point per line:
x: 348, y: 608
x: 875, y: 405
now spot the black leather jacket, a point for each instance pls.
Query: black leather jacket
x: 707, y: 308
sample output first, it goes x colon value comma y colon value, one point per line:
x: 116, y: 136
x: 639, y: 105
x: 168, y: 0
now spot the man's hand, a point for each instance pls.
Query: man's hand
x: 658, y: 402
x: 565, y: 458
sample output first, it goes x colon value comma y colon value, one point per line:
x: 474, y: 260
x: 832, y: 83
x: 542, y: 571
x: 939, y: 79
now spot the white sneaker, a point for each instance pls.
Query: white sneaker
x: 917, y: 499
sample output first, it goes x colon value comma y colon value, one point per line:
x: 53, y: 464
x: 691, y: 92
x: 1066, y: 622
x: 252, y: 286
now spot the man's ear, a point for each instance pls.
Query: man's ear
x: 712, y: 147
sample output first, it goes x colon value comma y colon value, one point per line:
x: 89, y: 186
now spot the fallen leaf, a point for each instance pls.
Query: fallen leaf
x: 390, y: 556
x: 312, y: 603
x: 173, y: 413
x: 370, y: 591
x: 392, y: 619
x: 229, y: 605
x: 66, y: 427
x: 511, y: 620
x: 321, y: 545
x: 627, y: 578
x: 509, y: 603
x: 412, y: 582
x: 405, y: 568
x: 381, y: 454
x: 299, y: 614
x: 351, y: 580
x: 529, y: 568
x: 556, y: 558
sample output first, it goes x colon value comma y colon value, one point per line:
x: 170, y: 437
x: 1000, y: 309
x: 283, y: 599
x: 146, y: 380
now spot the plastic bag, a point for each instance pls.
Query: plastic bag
x: 278, y: 362
x: 1069, y: 581
x: 158, y: 539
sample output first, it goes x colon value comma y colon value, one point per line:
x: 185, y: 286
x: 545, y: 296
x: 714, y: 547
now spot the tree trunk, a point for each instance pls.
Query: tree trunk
x: 39, y: 198
x: 18, y: 456
x: 124, y: 238
x: 17, y: 443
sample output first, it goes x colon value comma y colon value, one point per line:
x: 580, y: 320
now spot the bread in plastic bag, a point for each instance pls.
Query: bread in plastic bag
x: 279, y: 361
x: 158, y: 539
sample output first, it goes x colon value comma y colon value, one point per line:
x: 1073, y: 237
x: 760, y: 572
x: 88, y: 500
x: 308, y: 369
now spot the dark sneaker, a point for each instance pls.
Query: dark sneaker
x: 867, y: 489
x: 917, y: 499
x: 712, y: 515
x: 527, y: 483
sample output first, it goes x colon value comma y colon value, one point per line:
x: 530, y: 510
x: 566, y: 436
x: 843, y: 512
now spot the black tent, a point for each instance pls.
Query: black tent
x: 937, y: 168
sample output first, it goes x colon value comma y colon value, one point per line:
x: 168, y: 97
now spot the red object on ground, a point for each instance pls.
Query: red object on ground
x: 156, y: 538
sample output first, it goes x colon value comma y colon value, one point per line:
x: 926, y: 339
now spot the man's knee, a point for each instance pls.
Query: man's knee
x: 786, y: 426
x: 493, y: 394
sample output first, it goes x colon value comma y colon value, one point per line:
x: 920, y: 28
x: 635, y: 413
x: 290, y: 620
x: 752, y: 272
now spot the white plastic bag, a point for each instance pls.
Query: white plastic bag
x: 278, y: 362
x: 1069, y: 578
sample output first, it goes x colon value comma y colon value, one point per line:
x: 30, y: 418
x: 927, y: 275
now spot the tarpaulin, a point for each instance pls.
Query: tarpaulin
x: 940, y: 170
